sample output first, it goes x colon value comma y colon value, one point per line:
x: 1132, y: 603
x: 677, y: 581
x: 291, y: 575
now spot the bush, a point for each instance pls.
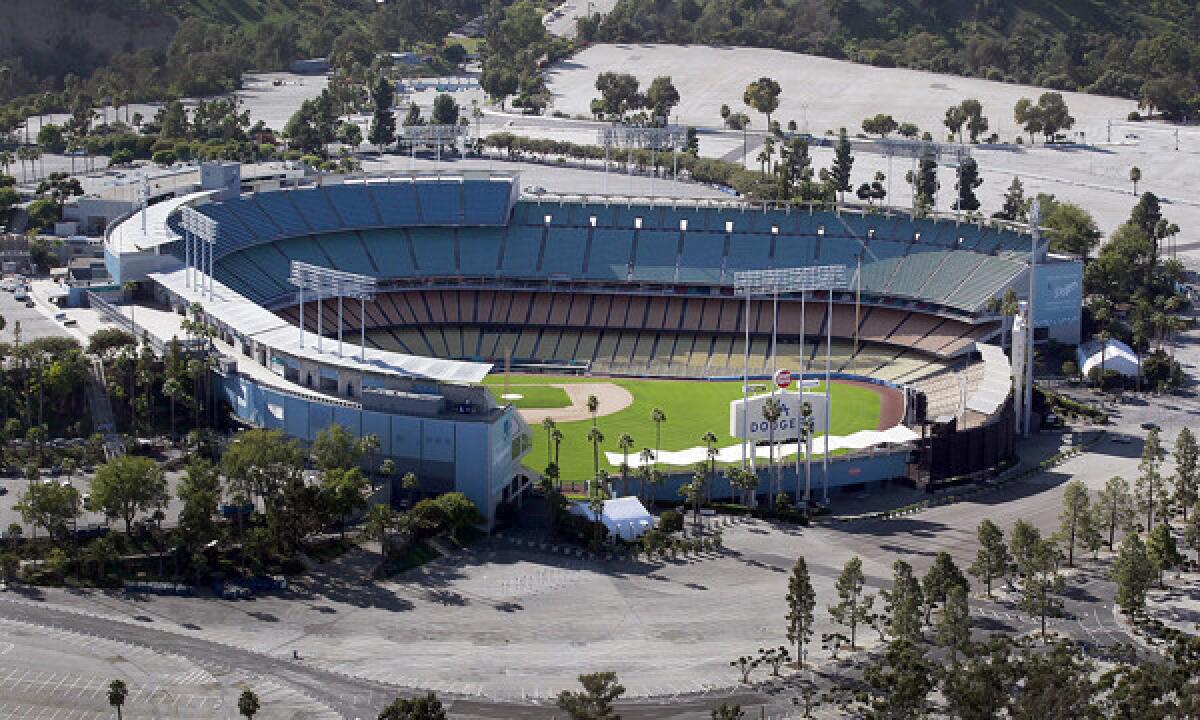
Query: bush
x: 164, y: 157
x: 1134, y: 116
x: 670, y: 521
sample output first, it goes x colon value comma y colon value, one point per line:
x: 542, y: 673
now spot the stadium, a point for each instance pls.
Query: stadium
x: 400, y: 306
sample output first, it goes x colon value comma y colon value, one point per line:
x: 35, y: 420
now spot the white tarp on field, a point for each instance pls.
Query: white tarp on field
x: 624, y: 517
x: 857, y: 441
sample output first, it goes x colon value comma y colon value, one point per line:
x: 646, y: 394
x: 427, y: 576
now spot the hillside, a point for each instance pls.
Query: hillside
x: 1113, y: 47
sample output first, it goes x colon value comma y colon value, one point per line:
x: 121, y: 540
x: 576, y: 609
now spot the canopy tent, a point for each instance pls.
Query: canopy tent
x: 1113, y: 355
x: 624, y: 517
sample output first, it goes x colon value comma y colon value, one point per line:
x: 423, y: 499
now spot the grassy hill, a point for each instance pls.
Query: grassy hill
x: 1105, y: 46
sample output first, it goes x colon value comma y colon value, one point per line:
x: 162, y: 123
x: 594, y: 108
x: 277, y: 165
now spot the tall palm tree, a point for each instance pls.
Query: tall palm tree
x: 772, y: 410
x: 658, y: 417
x: 6, y: 160
x: 173, y: 389
x: 548, y: 425
x: 117, y: 692
x: 625, y: 442
x: 710, y: 454
x: 557, y: 436
x: 593, y: 405
x: 806, y: 431
x: 595, y: 437
x: 369, y: 445
x: 646, y: 458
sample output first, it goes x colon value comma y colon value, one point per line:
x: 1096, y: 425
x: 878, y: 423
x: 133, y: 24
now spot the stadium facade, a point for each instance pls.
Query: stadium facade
x: 467, y: 273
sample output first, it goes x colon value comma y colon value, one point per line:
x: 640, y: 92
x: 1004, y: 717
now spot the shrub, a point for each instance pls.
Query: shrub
x: 670, y: 521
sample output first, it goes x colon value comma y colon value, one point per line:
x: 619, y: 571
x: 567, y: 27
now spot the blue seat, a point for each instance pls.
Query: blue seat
x: 521, y: 251
x: 564, y: 252
x: 703, y: 257
x: 610, y: 255
x: 748, y: 252
x: 795, y: 250
x: 397, y: 203
x: 434, y: 249
x: 486, y: 201
x: 656, y: 255
x: 279, y: 208
x: 390, y: 251
x: 353, y: 203
x: 479, y: 250
x: 313, y: 205
x: 347, y: 252
x: 441, y: 202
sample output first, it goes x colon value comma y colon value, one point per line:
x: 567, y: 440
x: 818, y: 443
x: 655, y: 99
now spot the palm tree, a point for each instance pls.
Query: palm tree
x: 699, y: 480
x: 387, y: 468
x: 625, y: 442
x: 772, y: 410
x: 596, y: 498
x: 658, y: 417
x: 595, y: 437
x: 369, y: 445
x: 248, y: 704
x: 806, y: 431
x: 557, y: 436
x: 6, y: 160
x: 378, y: 523
x: 1135, y: 177
x: 117, y: 692
x: 173, y: 389
x: 593, y: 404
x: 647, y: 458
x: 710, y: 453
x: 548, y: 425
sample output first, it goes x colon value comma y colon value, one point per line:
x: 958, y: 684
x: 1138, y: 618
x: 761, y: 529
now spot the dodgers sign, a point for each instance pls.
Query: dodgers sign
x: 746, y: 421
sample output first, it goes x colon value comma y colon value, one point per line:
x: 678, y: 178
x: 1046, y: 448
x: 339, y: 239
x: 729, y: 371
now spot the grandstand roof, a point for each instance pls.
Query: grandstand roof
x: 127, y: 236
x: 253, y: 321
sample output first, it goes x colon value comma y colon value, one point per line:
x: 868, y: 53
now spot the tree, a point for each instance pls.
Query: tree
x: 335, y: 449
x: 843, y: 161
x: 593, y: 406
x: 499, y: 83
x: 1187, y: 455
x: 1132, y: 573
x: 725, y: 711
x: 954, y: 625
x: 1041, y: 584
x: 658, y: 417
x: 772, y: 410
x: 618, y: 93
x: 1135, y: 177
x: 801, y: 602
x: 1150, y: 494
x: 378, y: 524
x: 445, y: 110
x: 1161, y: 550
x: 248, y: 705
x: 343, y: 491
x: 1071, y: 228
x: 383, y: 117
x: 977, y: 124
x: 117, y: 692
x: 954, y: 120
x: 1029, y: 117
x: 127, y: 485
x: 1015, y: 207
x: 852, y: 608
x: 595, y: 437
x: 763, y: 96
x: 1023, y: 542
x: 661, y: 96
x: 1053, y: 114
x: 1113, y: 508
x: 1075, y: 511
x: 925, y: 183
x: 941, y: 577
x: 980, y: 687
x: 902, y: 605
x: 459, y: 512
x: 992, y: 559
x: 595, y: 701
x: 881, y: 125
x: 968, y: 181
x: 899, y: 685
x: 423, y: 707
x: 1191, y: 531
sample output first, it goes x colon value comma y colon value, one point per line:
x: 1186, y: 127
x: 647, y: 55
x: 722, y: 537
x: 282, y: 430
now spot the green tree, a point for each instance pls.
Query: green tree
x: 1161, y: 550
x: 980, y: 687
x: 595, y: 701
x: 843, y: 161
x: 954, y: 623
x: 1133, y: 573
x: 954, y: 120
x: 1071, y: 228
x: 248, y: 705
x: 881, y: 125
x: 725, y: 711
x: 499, y: 83
x: 335, y: 449
x: 1041, y: 585
x: 661, y: 96
x: 977, y: 124
x: 763, y: 96
x: 658, y: 417
x: 1151, y: 496
x: 625, y: 444
x: 445, y: 110
x: 852, y: 608
x: 128, y: 485
x: 899, y: 685
x: 422, y: 707
x: 344, y: 492
x: 383, y: 117
x: 1113, y: 508
x: 801, y: 603
x: 925, y: 183
x: 379, y: 523
x: 459, y: 512
x: 968, y: 181
x: 117, y: 692
x: 1075, y: 512
x: 902, y: 605
x: 943, y: 575
x: 593, y: 406
x: 1015, y: 207
x: 618, y: 93
x: 991, y: 559
x: 595, y: 437
x: 1023, y: 542
x: 1187, y: 455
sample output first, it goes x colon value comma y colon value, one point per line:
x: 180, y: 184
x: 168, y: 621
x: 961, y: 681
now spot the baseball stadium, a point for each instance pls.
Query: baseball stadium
x: 467, y: 325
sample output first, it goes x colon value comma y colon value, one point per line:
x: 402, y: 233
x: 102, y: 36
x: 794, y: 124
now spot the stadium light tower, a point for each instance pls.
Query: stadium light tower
x: 325, y: 282
x: 201, y: 231
x: 803, y: 280
x: 666, y: 137
x: 436, y: 135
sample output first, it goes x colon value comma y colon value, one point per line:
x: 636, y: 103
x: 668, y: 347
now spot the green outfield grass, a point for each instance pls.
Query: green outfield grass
x: 534, y: 396
x: 692, y: 409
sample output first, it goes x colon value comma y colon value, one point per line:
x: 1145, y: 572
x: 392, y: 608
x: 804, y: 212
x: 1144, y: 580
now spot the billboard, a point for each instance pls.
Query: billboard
x: 1058, y: 299
x: 746, y: 421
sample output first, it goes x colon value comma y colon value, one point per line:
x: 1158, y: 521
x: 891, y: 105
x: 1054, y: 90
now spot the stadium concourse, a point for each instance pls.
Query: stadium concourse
x: 426, y: 282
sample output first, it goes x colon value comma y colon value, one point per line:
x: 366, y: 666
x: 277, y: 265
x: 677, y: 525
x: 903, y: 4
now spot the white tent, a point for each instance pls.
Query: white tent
x: 624, y: 517
x: 1116, y: 355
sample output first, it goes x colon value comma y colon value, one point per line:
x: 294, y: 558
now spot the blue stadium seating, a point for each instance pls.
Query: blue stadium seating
x: 656, y: 255
x: 347, y: 252
x: 795, y: 250
x: 434, y: 248
x: 313, y: 205
x: 390, y: 251
x: 479, y: 251
x: 353, y: 203
x: 747, y: 252
x: 441, y: 203
x: 252, y: 217
x: 564, y: 252
x: 279, y: 208
x: 485, y: 201
x: 611, y: 254
x: 397, y: 203
x: 703, y: 257
x: 521, y: 251
x: 914, y: 272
